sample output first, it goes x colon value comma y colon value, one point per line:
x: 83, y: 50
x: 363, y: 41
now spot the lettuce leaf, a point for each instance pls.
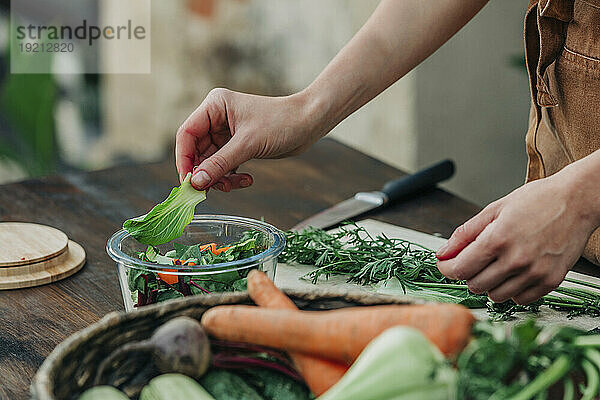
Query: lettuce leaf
x: 167, y: 220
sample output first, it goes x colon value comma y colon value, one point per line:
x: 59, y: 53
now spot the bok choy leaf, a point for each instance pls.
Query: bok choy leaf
x: 167, y: 220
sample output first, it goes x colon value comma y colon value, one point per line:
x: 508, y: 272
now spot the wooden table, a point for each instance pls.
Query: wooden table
x: 89, y: 207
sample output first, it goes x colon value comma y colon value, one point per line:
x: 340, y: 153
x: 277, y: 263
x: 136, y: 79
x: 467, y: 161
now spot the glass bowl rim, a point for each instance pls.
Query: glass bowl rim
x: 114, y: 251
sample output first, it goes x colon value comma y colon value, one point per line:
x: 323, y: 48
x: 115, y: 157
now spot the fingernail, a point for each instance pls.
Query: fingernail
x: 442, y: 250
x: 245, y: 182
x: 200, y: 180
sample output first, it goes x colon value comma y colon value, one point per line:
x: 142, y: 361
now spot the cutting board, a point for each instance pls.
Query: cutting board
x: 291, y: 277
x: 33, y: 254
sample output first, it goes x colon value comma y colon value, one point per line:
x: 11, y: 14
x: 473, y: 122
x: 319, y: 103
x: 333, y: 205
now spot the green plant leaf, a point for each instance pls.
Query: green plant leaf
x: 184, y: 252
x: 167, y: 220
x: 240, y: 285
x: 167, y: 294
x: 28, y: 103
x: 135, y: 279
x: 443, y: 293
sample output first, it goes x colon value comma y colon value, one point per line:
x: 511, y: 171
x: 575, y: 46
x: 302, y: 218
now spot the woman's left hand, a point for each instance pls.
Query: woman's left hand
x: 521, y: 246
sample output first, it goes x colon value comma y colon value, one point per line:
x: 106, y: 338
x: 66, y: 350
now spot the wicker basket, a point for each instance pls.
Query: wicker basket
x: 70, y: 368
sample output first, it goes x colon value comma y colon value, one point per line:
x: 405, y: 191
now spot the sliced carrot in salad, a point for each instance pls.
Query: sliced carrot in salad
x: 173, y: 279
x: 220, y: 250
x: 213, y: 248
x: 210, y: 246
x: 168, y: 278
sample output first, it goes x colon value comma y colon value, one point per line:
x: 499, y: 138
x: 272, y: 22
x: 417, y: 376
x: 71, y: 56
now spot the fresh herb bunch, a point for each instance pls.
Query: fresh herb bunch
x: 149, y: 287
x: 524, y: 361
x: 379, y: 260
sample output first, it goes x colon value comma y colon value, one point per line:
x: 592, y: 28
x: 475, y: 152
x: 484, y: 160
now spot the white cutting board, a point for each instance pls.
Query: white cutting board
x: 290, y: 277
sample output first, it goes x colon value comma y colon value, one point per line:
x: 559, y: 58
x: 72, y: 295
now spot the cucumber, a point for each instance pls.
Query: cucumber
x: 273, y: 385
x: 224, y: 385
x: 103, y: 393
x: 174, y: 387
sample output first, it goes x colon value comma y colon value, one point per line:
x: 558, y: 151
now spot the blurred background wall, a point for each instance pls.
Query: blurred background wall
x: 469, y: 101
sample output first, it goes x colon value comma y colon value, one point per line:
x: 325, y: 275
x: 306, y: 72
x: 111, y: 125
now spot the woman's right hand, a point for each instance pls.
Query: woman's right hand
x: 230, y: 128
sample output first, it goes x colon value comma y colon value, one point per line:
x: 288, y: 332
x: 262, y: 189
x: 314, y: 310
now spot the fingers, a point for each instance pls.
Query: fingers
x: 239, y: 181
x: 476, y: 256
x: 233, y: 181
x: 509, y: 289
x: 531, y: 294
x: 545, y: 277
x: 185, y: 155
x: 197, y: 125
x: 490, y: 277
x: 466, y: 233
x: 193, y: 135
x: 214, y: 167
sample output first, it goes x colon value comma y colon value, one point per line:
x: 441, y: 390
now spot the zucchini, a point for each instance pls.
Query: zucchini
x: 104, y: 392
x: 174, y: 387
x: 273, y: 385
x: 224, y: 385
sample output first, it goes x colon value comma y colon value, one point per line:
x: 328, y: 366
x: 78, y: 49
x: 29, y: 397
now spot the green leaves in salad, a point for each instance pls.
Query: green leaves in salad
x: 199, y: 255
x: 149, y: 287
x: 167, y: 220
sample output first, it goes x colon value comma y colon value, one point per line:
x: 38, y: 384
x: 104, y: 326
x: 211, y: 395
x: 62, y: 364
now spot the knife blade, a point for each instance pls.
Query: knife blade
x: 391, y: 192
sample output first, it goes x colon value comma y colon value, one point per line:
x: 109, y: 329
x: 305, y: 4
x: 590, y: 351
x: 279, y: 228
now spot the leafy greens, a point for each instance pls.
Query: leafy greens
x: 167, y: 220
x: 149, y: 287
x: 528, y: 362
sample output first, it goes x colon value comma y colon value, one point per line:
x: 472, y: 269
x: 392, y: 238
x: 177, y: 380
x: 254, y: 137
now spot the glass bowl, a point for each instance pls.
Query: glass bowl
x: 187, y: 280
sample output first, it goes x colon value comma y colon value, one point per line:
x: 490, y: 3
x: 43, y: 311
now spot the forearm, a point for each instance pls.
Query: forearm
x: 582, y: 180
x: 397, y: 37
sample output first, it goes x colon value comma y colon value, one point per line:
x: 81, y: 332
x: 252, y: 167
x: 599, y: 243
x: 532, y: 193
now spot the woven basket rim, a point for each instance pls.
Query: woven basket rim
x: 42, y: 388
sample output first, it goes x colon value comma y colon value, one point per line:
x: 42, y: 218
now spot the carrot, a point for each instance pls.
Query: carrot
x: 173, y: 279
x: 318, y: 373
x: 220, y: 250
x: 210, y: 246
x: 213, y: 248
x: 169, y: 278
x: 264, y: 293
x: 342, y: 334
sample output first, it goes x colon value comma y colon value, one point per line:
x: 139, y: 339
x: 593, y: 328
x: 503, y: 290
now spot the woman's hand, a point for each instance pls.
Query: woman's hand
x: 522, y: 246
x: 230, y: 128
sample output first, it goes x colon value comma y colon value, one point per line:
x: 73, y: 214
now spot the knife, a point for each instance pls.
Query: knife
x: 391, y: 192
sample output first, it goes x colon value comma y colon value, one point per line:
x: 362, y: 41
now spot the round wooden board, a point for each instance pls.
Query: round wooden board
x: 47, y: 271
x: 25, y: 243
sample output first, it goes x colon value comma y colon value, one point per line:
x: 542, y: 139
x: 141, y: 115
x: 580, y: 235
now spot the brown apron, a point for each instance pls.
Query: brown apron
x: 562, y: 49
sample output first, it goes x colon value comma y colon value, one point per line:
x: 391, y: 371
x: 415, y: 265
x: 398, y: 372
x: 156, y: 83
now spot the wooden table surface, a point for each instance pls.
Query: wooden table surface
x: 89, y: 207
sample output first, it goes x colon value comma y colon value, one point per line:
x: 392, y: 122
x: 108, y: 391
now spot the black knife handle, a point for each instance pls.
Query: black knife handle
x: 421, y: 180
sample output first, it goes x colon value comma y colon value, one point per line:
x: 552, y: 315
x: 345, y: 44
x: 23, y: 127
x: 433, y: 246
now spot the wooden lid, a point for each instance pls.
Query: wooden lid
x: 32, y: 254
x: 24, y: 243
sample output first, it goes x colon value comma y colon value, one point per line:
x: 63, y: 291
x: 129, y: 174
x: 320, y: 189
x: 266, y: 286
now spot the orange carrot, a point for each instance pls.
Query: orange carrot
x: 210, y: 246
x: 220, y: 250
x: 264, y: 293
x: 169, y: 278
x: 318, y: 373
x: 342, y: 334
x: 173, y: 279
